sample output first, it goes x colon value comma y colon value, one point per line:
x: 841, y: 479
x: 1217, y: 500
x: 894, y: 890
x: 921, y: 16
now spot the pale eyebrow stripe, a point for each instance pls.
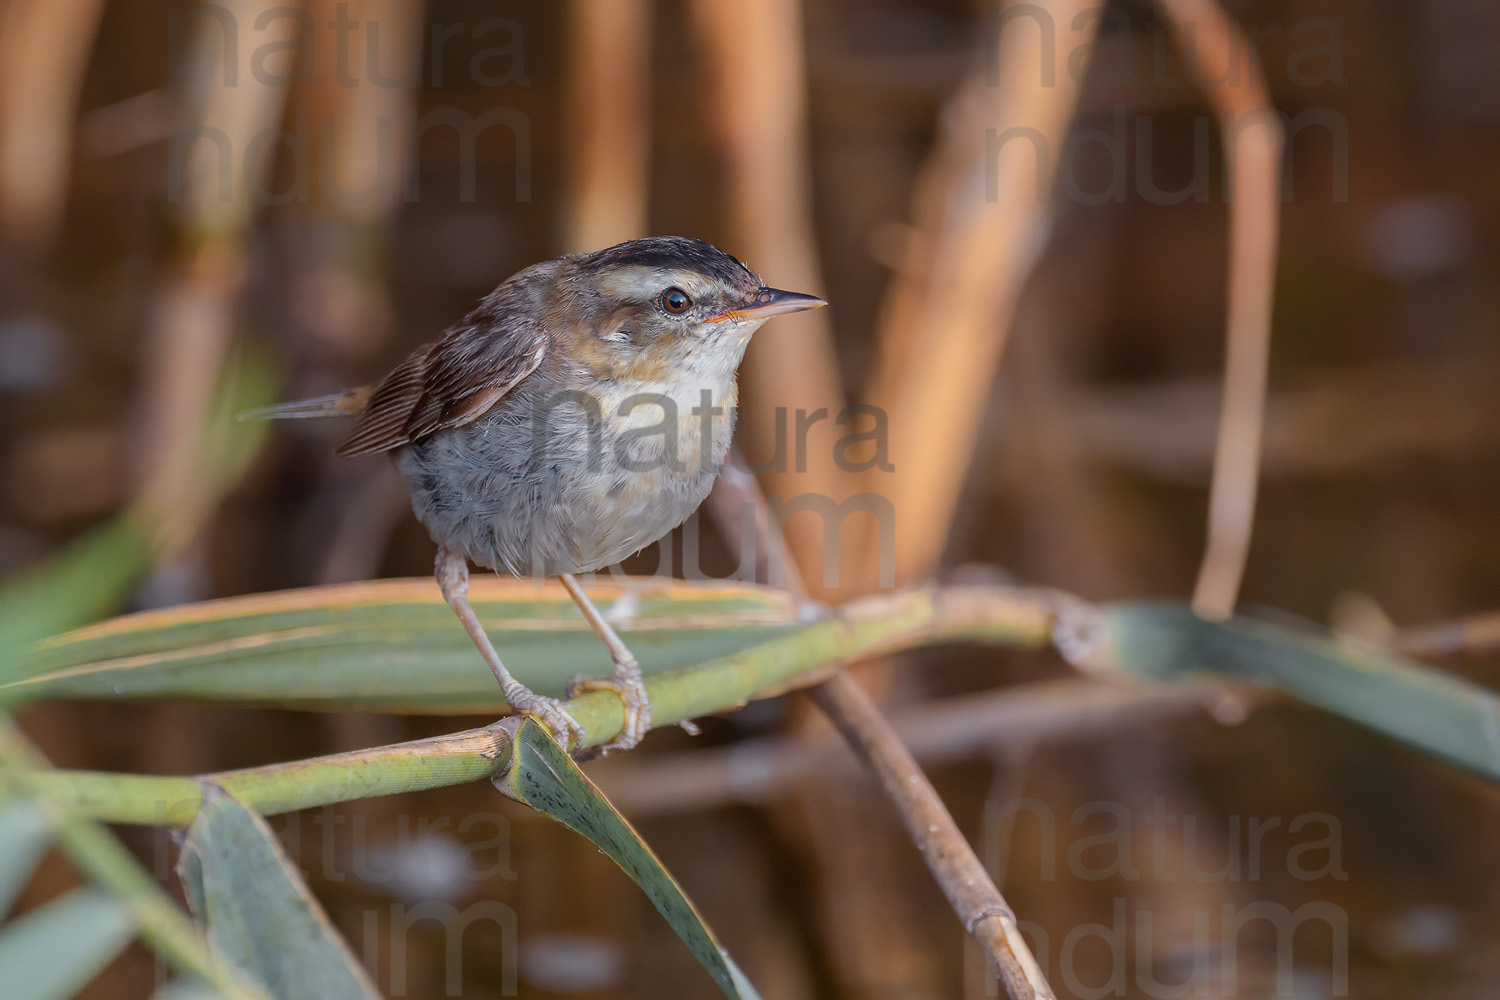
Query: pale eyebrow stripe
x: 645, y: 282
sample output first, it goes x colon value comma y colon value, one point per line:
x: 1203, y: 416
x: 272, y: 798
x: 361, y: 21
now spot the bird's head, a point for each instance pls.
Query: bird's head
x: 666, y: 304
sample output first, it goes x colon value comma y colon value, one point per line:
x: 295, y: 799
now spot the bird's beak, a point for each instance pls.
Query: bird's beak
x: 770, y: 302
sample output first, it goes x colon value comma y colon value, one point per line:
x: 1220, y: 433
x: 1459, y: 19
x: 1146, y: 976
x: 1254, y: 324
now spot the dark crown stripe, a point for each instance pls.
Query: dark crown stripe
x: 672, y: 252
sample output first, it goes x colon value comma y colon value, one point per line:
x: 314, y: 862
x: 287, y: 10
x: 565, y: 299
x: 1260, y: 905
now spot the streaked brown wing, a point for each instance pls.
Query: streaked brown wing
x: 449, y: 382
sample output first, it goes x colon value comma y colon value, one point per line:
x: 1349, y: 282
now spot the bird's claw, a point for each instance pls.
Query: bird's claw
x: 551, y: 713
x: 631, y: 690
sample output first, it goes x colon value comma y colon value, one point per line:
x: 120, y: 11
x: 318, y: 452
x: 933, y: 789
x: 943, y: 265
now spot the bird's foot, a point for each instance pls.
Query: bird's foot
x: 630, y: 688
x: 551, y: 713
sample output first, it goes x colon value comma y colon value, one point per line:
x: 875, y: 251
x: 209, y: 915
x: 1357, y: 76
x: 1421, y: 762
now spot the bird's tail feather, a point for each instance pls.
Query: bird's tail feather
x: 334, y: 405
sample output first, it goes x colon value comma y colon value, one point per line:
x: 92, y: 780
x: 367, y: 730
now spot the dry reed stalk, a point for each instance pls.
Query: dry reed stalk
x: 44, y: 53
x: 1253, y: 137
x: 608, y: 95
x: 192, y: 313
x: 979, y: 215
x: 359, y: 106
x: 755, y: 53
x: 355, y: 107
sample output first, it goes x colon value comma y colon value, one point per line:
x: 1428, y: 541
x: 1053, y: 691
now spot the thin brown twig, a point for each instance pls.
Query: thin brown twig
x: 1001, y: 720
x: 940, y: 336
x: 974, y: 897
x: 1478, y: 633
x: 972, y: 894
x: 1349, y: 421
x: 737, y: 495
x: 1253, y: 136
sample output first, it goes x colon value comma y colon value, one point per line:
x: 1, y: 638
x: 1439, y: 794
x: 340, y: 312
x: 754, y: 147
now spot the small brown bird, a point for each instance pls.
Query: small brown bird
x: 577, y: 415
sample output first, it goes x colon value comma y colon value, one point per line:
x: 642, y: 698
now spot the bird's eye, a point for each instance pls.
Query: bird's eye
x: 675, y: 300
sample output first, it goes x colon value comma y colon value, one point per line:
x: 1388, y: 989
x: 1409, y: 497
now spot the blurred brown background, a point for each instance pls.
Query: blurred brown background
x: 181, y: 190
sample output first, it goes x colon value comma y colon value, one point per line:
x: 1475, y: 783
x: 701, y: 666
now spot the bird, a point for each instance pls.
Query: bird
x: 579, y: 413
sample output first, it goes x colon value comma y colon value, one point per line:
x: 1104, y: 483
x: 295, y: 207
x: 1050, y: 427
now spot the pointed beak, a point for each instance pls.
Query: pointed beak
x: 770, y: 302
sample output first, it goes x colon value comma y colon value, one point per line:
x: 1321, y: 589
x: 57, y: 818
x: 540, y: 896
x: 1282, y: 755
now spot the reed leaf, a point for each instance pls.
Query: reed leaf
x: 53, y: 951
x: 544, y: 777
x: 1437, y: 712
x: 392, y: 645
x: 257, y: 910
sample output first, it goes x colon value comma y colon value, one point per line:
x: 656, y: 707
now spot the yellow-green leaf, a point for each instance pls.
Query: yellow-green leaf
x: 393, y: 645
x: 84, y: 581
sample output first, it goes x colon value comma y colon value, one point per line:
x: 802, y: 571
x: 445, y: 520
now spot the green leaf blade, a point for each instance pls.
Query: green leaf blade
x: 391, y: 645
x: 1442, y: 714
x: 25, y: 832
x: 260, y: 915
x: 544, y: 777
x: 82, y: 583
x: 52, y: 952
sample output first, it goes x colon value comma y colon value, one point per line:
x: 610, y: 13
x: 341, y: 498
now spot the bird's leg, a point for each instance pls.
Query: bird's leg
x: 453, y: 580
x: 627, y: 682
